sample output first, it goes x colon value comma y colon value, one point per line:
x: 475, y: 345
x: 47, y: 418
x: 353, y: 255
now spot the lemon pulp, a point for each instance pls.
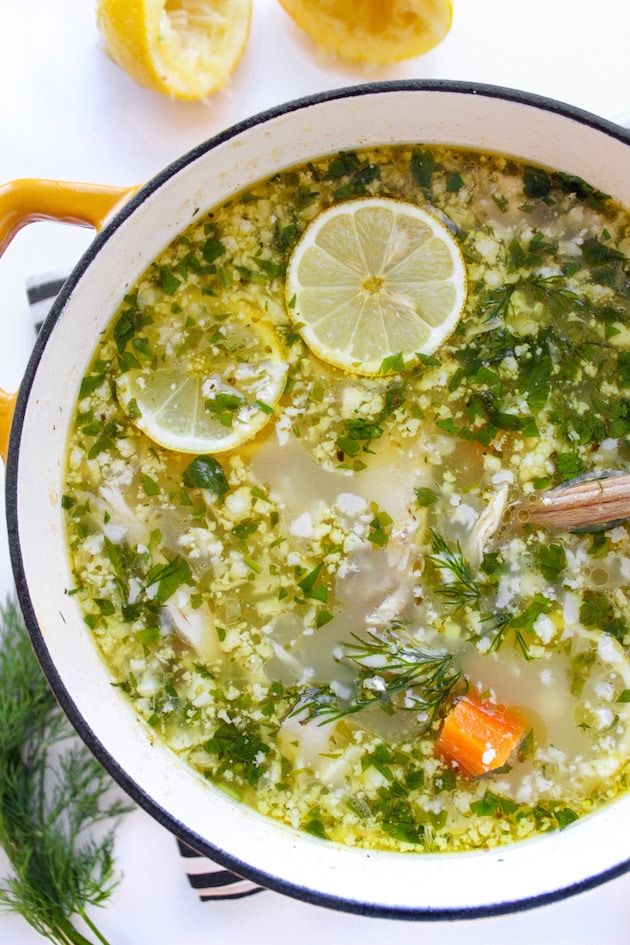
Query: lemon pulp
x: 182, y: 48
x: 376, y: 31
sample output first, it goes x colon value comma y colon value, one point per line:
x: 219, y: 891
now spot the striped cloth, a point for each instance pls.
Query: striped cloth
x: 207, y: 878
x: 41, y: 292
x: 212, y: 881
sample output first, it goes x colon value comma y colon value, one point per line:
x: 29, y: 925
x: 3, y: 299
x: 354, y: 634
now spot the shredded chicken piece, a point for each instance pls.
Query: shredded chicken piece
x: 487, y: 525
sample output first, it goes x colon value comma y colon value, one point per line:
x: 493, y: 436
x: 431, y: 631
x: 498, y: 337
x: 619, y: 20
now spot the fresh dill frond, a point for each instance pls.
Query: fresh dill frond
x: 53, y: 793
x: 463, y: 588
x: 392, y: 674
x: 518, y: 624
x: 550, y: 291
x: 497, y: 302
x: 498, y: 627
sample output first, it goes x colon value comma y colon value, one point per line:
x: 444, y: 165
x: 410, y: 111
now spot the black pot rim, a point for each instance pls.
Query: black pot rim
x: 64, y: 697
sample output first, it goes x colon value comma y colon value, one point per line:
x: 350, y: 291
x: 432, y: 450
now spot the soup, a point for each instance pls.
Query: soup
x: 350, y: 614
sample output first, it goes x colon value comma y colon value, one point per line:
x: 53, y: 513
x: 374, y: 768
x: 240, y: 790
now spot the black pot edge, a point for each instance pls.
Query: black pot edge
x: 355, y: 91
x: 63, y: 696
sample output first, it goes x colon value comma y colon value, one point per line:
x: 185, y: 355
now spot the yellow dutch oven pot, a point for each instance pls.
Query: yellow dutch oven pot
x: 134, y: 226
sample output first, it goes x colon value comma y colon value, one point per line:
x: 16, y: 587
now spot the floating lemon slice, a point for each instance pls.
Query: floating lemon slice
x: 217, y: 395
x: 374, y: 282
x: 182, y: 48
x: 376, y: 31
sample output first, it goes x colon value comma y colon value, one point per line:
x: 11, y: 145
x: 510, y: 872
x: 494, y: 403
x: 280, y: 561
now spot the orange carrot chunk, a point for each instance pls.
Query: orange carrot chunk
x: 478, y: 736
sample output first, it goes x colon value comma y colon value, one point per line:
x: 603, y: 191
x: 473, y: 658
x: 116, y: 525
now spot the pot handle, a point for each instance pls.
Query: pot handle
x: 7, y: 406
x: 30, y: 199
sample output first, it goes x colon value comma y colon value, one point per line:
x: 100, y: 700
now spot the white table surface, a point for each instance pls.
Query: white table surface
x: 68, y: 113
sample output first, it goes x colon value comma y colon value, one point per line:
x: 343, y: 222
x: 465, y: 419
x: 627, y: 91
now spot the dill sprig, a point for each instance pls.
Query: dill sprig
x: 463, y: 588
x: 391, y: 674
x: 498, y: 301
x: 550, y: 290
x: 498, y: 627
x: 53, y: 793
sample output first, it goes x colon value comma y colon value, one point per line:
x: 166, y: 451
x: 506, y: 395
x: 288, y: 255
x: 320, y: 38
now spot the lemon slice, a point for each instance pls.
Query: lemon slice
x: 182, y: 48
x: 375, y: 281
x: 213, y: 398
x: 373, y: 30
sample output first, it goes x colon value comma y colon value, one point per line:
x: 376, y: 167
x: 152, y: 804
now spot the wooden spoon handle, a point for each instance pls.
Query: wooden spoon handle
x: 584, y: 504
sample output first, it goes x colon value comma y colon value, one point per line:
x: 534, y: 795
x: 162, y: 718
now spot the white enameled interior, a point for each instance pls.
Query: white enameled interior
x: 301, y: 864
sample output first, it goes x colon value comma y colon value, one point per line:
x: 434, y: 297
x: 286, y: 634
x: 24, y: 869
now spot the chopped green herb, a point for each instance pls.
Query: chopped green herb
x: 205, y: 472
x: 425, y: 496
x: 310, y: 586
x: 168, y: 577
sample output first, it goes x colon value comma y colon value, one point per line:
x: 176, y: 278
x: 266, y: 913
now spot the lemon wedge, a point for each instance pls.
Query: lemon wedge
x: 186, y: 49
x: 374, y: 282
x: 213, y: 397
x: 374, y: 31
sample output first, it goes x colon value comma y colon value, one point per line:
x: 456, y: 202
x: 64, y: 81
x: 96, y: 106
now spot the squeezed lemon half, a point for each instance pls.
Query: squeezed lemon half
x: 182, y: 48
x: 374, y: 282
x: 375, y: 31
x: 215, y: 397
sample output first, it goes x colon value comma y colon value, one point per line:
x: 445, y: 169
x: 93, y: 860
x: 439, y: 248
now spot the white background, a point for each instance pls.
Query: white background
x: 68, y: 113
